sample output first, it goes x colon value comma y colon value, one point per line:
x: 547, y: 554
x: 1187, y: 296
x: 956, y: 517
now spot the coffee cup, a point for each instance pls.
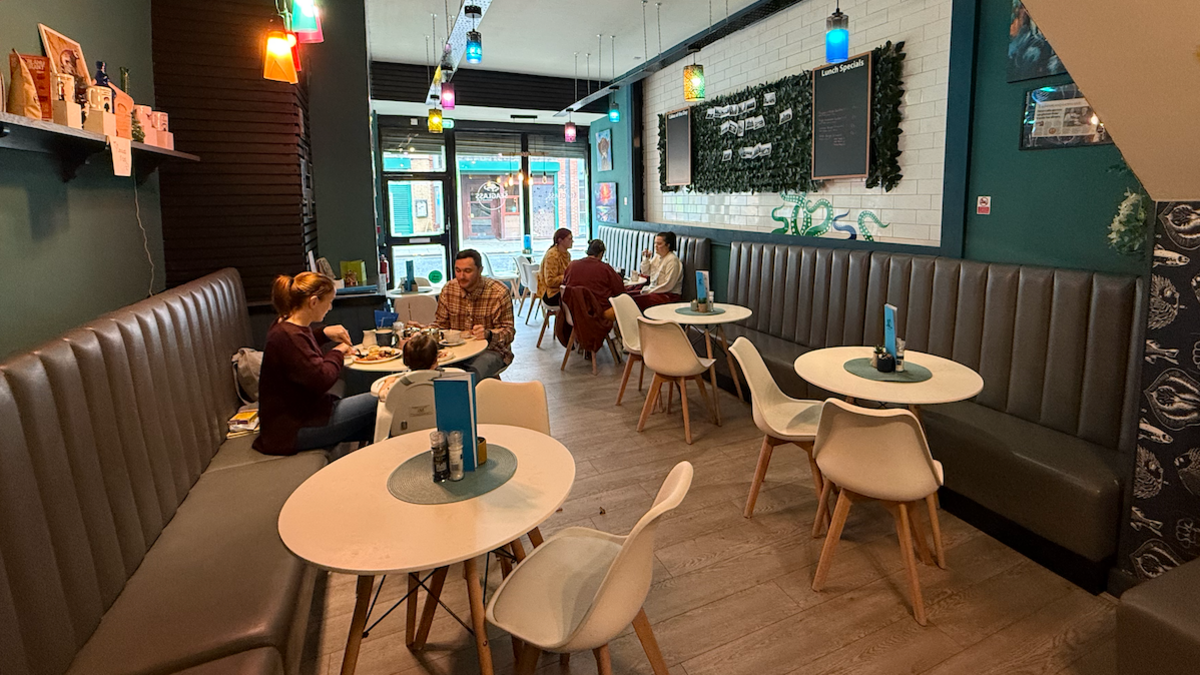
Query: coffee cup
x: 385, y: 337
x: 452, y: 336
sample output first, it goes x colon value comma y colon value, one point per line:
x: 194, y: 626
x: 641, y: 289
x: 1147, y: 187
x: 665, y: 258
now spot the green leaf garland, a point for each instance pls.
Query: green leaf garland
x: 888, y: 83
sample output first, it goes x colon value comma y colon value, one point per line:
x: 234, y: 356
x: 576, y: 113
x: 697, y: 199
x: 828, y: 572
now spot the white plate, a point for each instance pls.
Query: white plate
x: 452, y: 344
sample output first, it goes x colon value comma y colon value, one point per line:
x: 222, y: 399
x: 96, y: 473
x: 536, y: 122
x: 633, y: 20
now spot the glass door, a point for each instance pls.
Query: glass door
x: 416, y: 183
x: 491, y: 199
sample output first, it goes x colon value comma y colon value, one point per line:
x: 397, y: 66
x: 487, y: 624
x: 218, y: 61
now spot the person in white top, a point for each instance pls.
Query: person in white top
x: 665, y: 271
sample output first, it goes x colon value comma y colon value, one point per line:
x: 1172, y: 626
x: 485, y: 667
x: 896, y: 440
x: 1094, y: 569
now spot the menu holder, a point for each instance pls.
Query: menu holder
x: 410, y: 282
x: 889, y: 329
x: 454, y: 402
x: 702, y: 285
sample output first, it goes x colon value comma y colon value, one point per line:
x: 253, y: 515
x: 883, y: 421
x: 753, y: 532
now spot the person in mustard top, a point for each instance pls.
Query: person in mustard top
x: 554, y: 267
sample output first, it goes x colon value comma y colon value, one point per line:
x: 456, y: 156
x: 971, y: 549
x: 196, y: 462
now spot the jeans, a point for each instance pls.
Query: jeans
x: 352, y: 419
x: 487, y: 364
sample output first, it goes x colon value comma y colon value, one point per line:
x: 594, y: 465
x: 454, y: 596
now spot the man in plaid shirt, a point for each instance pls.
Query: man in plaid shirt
x: 482, y: 309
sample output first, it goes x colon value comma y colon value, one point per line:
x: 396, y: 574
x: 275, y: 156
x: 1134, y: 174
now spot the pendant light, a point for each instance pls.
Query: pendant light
x: 295, y: 44
x: 434, y: 122
x: 306, y: 21
x: 569, y: 131
x: 614, y: 111
x: 693, y: 74
x: 447, y: 97
x: 474, y: 49
x: 837, y: 36
x: 278, y: 63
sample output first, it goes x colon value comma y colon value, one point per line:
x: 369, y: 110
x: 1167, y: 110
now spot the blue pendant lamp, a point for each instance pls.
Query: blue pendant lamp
x: 837, y: 36
x: 474, y: 51
x: 614, y: 111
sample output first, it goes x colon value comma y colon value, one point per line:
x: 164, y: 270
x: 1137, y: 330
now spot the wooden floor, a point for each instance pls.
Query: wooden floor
x: 732, y: 596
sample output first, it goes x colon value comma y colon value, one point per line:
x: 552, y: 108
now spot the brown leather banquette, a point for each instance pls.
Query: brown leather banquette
x: 624, y: 251
x: 1048, y: 444
x: 133, y: 537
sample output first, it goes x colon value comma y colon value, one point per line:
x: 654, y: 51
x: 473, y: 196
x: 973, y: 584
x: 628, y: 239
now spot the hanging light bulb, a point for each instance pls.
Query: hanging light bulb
x: 447, y: 96
x: 569, y: 132
x: 474, y: 50
x: 435, y: 121
x: 837, y: 36
x: 306, y: 21
x: 614, y: 112
x: 277, y: 59
x: 693, y: 82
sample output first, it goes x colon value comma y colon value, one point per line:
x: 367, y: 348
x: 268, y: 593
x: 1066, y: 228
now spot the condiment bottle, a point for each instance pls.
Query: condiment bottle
x: 441, y: 459
x: 456, y: 456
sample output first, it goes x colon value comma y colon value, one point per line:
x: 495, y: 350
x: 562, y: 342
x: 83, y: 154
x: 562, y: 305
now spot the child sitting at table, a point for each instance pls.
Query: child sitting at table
x: 421, y: 352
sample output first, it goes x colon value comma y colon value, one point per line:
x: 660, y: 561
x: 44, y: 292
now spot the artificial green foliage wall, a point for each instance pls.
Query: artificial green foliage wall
x: 789, y: 166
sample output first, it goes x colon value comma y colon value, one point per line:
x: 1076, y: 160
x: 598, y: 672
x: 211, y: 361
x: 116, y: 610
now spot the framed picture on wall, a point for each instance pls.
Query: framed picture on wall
x: 1060, y: 117
x: 604, y: 150
x: 421, y: 208
x: 1029, y: 54
x: 66, y: 56
x: 606, y: 202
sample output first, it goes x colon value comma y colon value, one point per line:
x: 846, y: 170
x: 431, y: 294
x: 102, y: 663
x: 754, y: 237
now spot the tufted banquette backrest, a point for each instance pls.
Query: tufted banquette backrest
x: 102, y: 433
x: 625, y: 246
x: 1056, y: 347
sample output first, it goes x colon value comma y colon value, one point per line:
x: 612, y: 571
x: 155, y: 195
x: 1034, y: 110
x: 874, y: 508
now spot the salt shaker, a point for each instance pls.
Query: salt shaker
x: 441, y: 463
x: 899, y: 355
x: 456, y: 456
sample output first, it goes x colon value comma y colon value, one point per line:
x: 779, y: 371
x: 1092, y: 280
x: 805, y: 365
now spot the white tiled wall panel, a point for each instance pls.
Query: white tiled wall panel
x: 793, y: 41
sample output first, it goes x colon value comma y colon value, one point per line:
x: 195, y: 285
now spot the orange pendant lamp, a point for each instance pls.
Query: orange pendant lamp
x: 278, y: 62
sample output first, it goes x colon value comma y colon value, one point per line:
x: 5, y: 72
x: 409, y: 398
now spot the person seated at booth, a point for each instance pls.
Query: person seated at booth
x: 554, y: 266
x: 296, y: 409
x: 482, y: 309
x: 592, y: 273
x: 665, y: 271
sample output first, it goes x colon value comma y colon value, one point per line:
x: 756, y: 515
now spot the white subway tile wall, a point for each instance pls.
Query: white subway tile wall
x: 793, y: 41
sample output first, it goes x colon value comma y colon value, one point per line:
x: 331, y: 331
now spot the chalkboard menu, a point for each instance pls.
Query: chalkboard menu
x: 841, y: 110
x: 679, y: 147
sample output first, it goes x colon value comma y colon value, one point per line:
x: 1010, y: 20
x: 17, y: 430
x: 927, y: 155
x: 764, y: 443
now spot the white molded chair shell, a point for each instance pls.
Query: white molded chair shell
x: 627, y: 315
x: 775, y: 413
x: 520, y: 404
x: 667, y: 351
x: 881, y: 454
x: 407, y: 405
x: 419, y: 308
x: 582, y: 587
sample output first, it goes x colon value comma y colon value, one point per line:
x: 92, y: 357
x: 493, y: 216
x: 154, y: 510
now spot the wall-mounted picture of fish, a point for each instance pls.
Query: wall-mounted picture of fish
x: 1168, y: 258
x: 1164, y: 302
x: 1174, y: 397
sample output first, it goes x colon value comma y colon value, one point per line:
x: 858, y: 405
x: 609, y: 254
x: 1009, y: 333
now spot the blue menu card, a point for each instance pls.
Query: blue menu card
x: 454, y: 402
x: 889, y: 329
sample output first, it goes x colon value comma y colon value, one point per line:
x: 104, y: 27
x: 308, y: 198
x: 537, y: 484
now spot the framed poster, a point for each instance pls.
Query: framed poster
x: 1060, y: 117
x: 841, y: 119
x: 1029, y: 54
x: 66, y: 56
x: 606, y: 202
x: 679, y: 147
x: 604, y: 150
x: 421, y: 208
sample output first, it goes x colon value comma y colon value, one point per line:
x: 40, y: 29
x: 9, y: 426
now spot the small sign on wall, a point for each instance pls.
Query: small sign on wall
x: 983, y: 206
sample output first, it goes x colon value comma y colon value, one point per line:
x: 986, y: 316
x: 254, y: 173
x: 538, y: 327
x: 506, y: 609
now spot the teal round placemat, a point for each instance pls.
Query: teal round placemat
x: 691, y: 312
x: 412, y: 481
x: 863, y: 368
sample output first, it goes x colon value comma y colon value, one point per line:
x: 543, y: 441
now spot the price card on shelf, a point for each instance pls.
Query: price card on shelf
x: 122, y: 155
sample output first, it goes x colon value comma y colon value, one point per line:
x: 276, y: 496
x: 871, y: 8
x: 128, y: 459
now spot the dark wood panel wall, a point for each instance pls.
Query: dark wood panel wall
x: 489, y: 88
x: 248, y: 202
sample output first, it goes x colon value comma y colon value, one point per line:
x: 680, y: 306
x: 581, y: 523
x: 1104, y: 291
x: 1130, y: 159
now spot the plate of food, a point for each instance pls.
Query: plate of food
x: 444, y: 355
x: 375, y: 354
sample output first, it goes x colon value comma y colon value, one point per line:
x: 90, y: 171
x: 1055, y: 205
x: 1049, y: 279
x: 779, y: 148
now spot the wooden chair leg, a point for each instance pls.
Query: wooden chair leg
x: 570, y: 345
x: 831, y: 539
x: 704, y: 395
x: 595, y: 357
x: 641, y: 373
x: 564, y: 659
x: 533, y: 308
x: 918, y: 533
x: 651, y: 401
x: 818, y: 481
x: 641, y: 625
x: 687, y: 421
x: 431, y: 603
x: 545, y: 324
x: 760, y: 472
x: 518, y: 549
x: 478, y: 621
x: 910, y: 561
x: 670, y: 393
x: 527, y: 663
x: 535, y: 537
x: 625, y: 379
x: 603, y: 660
x: 931, y: 502
x: 822, y: 508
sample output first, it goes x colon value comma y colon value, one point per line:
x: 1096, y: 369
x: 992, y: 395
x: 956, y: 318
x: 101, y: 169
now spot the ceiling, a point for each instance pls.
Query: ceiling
x: 468, y: 112
x: 541, y: 37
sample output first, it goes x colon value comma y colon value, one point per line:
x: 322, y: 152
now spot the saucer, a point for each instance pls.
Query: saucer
x: 452, y: 344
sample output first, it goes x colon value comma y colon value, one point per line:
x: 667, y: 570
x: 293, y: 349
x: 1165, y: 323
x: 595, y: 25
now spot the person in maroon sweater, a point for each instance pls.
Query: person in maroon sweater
x: 296, y: 410
x: 597, y: 276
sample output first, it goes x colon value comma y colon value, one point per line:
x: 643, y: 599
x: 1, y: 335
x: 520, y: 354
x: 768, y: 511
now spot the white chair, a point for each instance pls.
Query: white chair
x: 781, y: 418
x: 582, y: 587
x: 612, y: 348
x: 667, y: 352
x: 520, y: 404
x: 419, y: 308
x: 526, y: 283
x: 405, y: 403
x: 881, y: 455
x: 530, y: 279
x: 509, y: 280
x: 627, y: 315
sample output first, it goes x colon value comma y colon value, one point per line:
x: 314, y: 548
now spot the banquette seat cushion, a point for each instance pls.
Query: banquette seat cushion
x: 1044, y: 443
x: 122, y: 548
x: 624, y: 251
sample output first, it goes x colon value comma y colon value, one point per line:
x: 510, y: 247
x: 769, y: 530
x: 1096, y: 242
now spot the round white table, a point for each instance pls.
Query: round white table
x: 344, y: 519
x: 458, y: 353
x: 951, y: 381
x: 704, y: 322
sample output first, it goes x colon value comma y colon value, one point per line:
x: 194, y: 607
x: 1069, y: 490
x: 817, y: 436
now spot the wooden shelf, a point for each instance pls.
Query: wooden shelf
x: 74, y: 147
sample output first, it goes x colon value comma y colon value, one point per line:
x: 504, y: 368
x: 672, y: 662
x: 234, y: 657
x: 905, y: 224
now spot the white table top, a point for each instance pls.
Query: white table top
x: 951, y: 381
x: 458, y: 353
x: 667, y: 313
x: 344, y: 519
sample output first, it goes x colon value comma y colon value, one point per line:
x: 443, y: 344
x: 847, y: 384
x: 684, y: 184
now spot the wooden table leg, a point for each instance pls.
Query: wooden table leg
x: 410, y: 621
x: 357, y: 623
x: 733, y: 369
x: 713, y: 370
x: 431, y: 603
x: 478, y: 624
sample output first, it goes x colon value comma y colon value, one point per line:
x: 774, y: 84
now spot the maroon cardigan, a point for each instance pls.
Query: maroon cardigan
x: 293, y: 390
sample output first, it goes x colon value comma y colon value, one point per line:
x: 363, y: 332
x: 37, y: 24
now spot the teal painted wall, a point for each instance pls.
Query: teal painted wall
x: 72, y: 251
x: 1049, y: 207
x: 339, y: 111
x: 622, y: 171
